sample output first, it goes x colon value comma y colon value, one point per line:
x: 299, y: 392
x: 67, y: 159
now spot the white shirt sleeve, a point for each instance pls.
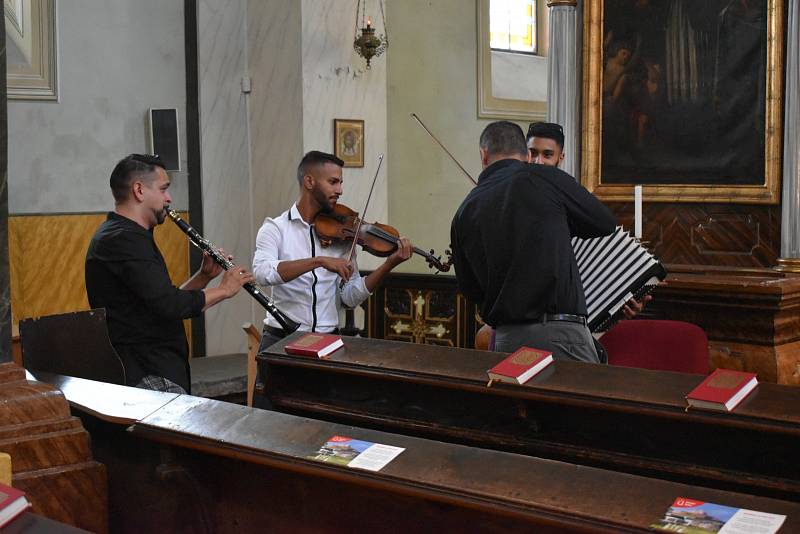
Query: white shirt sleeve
x: 266, y: 258
x: 354, y: 291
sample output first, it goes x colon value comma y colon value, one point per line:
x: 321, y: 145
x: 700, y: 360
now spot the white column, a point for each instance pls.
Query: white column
x: 563, y: 91
x: 790, y: 201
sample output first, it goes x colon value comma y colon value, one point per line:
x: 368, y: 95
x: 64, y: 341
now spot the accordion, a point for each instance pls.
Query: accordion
x: 614, y: 269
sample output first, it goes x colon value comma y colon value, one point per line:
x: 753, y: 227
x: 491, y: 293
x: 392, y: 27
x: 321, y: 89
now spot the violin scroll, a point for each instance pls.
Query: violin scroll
x: 436, y: 262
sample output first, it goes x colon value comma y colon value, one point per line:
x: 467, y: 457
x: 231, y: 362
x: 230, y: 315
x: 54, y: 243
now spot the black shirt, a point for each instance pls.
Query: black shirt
x: 511, y: 240
x: 126, y: 275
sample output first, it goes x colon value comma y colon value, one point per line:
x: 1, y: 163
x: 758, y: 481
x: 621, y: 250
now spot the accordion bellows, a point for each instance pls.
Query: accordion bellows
x: 614, y: 269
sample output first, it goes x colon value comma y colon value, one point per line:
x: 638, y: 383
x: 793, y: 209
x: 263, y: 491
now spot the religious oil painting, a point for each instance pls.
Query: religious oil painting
x: 348, y: 138
x: 684, y: 97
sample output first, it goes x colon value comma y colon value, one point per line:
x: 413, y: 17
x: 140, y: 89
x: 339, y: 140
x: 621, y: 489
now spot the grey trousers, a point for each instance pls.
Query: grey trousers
x: 566, y: 340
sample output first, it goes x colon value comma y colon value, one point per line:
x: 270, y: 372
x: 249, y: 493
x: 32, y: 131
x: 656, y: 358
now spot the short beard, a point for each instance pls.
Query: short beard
x: 323, y: 201
x: 161, y: 216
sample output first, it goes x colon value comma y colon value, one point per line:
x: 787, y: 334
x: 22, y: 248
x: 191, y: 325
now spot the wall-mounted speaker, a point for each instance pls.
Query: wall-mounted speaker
x: 164, y: 138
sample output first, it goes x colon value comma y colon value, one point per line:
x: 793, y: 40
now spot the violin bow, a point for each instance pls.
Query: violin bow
x: 414, y: 116
x: 363, y: 213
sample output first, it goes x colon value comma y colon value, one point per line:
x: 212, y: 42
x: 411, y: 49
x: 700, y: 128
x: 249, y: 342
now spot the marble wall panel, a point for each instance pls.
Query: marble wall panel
x: 225, y: 159
x: 274, y: 58
x: 5, y: 292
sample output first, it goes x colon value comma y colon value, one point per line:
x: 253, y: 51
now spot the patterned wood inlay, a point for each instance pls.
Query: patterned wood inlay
x: 421, y: 309
x: 46, y: 258
x: 731, y: 235
x: 420, y: 316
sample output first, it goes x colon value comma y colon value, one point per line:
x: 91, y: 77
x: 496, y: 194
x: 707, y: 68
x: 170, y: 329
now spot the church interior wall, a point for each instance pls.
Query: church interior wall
x: 432, y: 71
x: 115, y: 61
x: 225, y: 156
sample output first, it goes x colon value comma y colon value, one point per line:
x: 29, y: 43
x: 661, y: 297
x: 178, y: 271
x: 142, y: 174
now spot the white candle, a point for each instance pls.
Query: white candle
x: 637, y: 211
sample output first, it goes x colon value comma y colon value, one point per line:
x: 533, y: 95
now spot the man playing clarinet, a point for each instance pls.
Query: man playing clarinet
x: 126, y: 275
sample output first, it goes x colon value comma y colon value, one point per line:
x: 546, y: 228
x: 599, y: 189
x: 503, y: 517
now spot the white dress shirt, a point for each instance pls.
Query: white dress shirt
x: 313, y: 299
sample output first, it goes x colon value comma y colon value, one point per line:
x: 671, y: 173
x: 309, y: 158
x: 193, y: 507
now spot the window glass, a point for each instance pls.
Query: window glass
x: 512, y: 25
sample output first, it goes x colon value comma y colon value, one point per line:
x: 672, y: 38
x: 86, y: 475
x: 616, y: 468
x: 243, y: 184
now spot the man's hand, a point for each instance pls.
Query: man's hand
x: 404, y: 251
x: 233, y: 280
x: 209, y: 268
x: 340, y: 266
x: 633, y: 306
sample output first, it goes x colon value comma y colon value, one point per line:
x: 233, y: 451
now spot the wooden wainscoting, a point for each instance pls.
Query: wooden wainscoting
x: 725, y: 235
x: 46, y: 261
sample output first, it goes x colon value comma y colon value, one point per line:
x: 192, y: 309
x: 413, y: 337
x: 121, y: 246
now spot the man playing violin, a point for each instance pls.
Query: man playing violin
x: 512, y: 248
x: 306, y: 277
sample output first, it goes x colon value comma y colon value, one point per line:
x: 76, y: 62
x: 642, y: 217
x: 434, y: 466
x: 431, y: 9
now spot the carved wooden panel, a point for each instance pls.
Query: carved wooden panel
x: 50, y: 453
x: 421, y: 309
x: 731, y: 235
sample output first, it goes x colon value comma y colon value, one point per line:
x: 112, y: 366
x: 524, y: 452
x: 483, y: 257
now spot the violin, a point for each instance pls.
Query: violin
x: 339, y: 225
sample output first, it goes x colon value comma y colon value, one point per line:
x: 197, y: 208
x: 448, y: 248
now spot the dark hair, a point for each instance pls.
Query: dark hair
x: 128, y: 167
x: 548, y: 130
x: 503, y: 137
x: 315, y: 157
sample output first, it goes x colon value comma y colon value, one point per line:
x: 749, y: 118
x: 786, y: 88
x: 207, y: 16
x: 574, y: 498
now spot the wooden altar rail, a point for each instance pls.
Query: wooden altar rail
x: 230, y: 468
x: 751, y: 316
x: 50, y: 452
x: 630, y: 420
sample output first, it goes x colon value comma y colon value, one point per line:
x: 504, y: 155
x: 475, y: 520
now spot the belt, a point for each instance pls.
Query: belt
x: 567, y: 317
x: 279, y: 333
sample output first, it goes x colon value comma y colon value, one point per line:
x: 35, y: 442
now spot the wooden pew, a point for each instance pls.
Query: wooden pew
x: 230, y: 468
x: 631, y: 420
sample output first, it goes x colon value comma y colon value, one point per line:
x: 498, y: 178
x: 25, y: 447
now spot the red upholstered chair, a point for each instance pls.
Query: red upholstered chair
x: 658, y: 345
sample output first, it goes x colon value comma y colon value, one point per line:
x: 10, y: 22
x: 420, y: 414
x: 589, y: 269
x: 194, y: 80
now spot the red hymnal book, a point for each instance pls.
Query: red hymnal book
x: 722, y: 390
x: 521, y: 365
x: 313, y: 344
x: 12, y: 503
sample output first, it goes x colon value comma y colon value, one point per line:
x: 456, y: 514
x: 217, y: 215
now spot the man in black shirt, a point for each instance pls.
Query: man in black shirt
x: 512, y: 248
x: 126, y: 275
x: 546, y: 147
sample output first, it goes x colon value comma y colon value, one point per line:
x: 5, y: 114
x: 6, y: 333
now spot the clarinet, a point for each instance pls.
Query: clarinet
x: 206, y: 246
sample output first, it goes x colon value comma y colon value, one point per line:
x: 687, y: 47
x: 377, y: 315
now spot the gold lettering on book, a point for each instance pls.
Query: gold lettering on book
x: 724, y: 381
x: 526, y: 357
x: 308, y: 340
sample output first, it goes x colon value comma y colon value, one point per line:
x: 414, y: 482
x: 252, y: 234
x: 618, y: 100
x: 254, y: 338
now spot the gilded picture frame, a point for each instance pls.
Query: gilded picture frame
x: 348, y: 141
x: 612, y: 179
